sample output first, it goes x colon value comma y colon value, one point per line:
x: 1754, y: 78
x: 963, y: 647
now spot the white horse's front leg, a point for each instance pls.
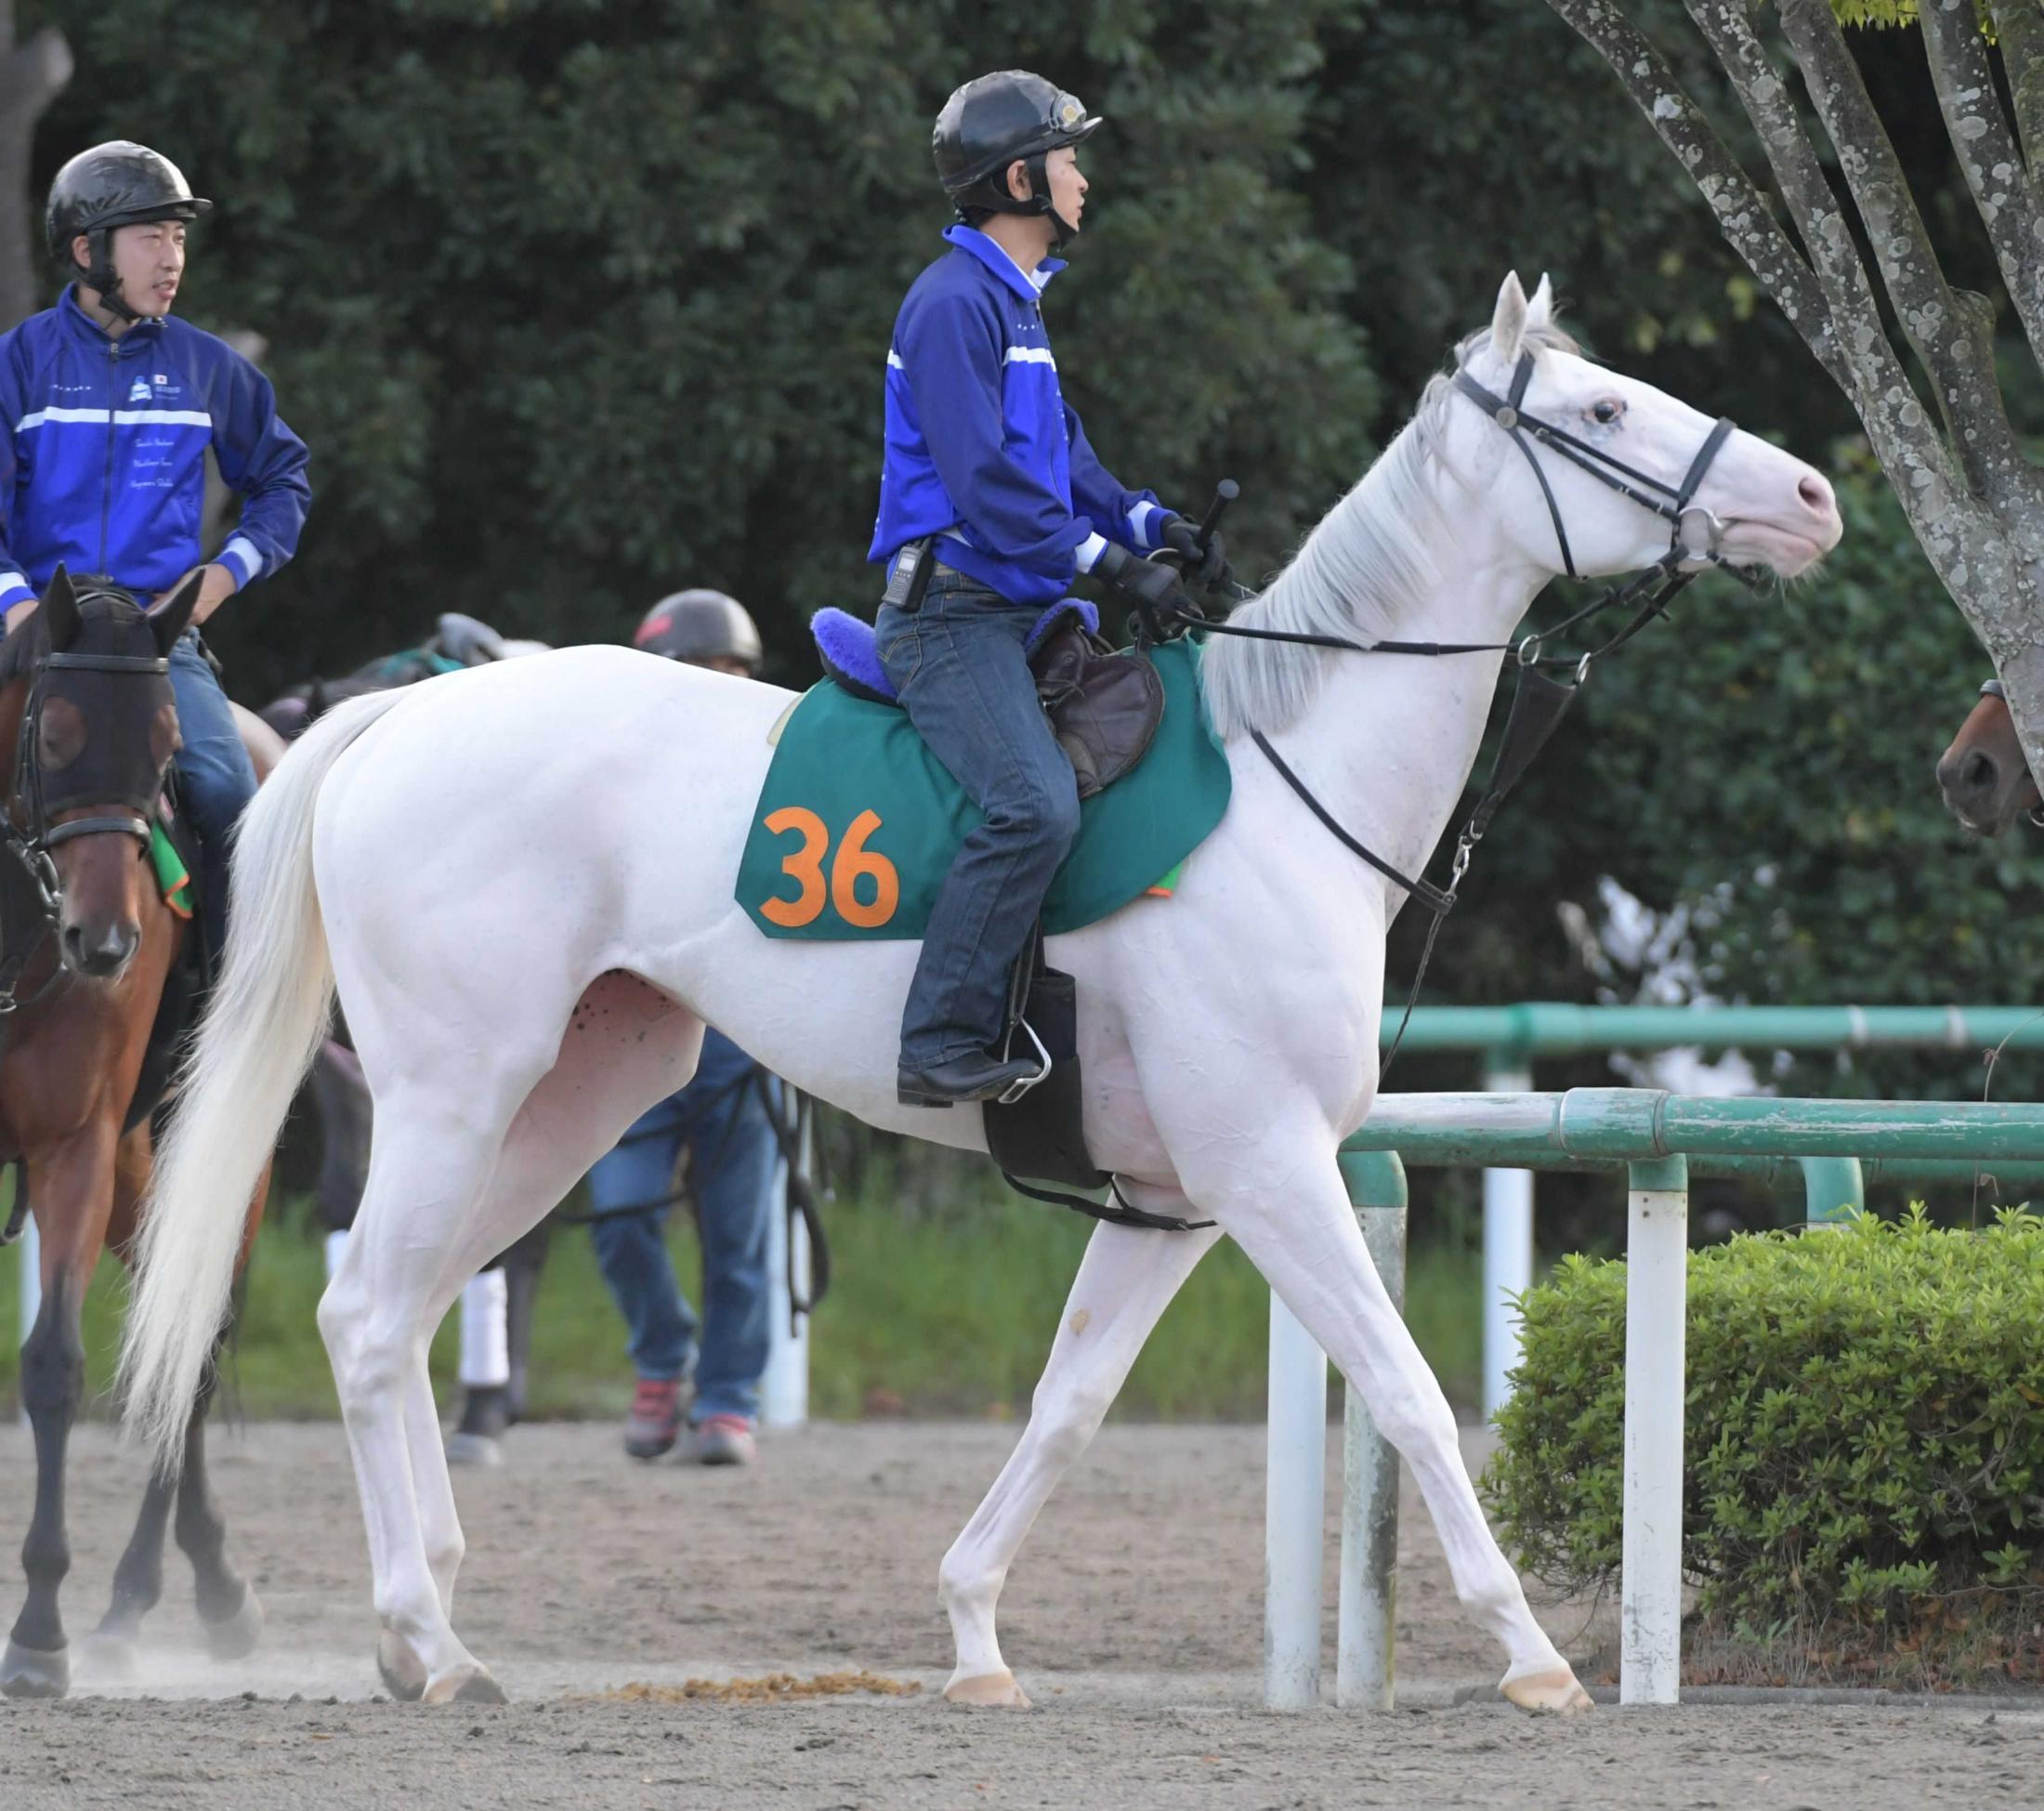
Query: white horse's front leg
x: 1300, y: 1230
x: 1125, y: 1281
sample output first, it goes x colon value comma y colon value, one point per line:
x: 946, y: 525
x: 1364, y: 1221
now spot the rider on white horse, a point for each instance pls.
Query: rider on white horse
x: 990, y: 503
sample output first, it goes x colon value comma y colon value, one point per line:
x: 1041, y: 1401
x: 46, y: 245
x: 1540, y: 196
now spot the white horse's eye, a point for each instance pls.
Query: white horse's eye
x: 1607, y: 411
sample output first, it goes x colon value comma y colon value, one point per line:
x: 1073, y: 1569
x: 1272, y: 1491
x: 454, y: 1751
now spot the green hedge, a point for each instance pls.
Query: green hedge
x: 1864, y: 1476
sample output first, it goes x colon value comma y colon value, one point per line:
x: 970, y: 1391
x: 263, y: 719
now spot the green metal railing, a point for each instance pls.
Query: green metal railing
x: 1660, y: 1141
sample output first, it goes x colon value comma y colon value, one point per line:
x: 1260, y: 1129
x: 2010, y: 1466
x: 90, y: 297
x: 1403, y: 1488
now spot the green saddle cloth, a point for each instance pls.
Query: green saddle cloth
x: 857, y: 822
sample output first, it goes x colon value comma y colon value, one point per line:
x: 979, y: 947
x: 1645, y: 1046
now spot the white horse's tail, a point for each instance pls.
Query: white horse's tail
x: 264, y: 1022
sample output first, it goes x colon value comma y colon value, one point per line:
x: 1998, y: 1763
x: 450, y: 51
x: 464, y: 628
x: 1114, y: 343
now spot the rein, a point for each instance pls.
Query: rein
x: 1538, y: 703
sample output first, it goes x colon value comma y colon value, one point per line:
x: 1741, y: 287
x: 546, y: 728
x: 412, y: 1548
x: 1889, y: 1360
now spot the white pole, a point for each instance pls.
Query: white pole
x: 1294, y: 1514
x: 1656, y: 1268
x: 28, y: 1253
x: 1368, y: 1614
x: 1508, y: 1249
x: 784, y: 1386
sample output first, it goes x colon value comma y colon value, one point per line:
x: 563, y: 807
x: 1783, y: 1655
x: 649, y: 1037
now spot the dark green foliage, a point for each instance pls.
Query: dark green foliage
x: 1864, y: 1457
x: 578, y: 304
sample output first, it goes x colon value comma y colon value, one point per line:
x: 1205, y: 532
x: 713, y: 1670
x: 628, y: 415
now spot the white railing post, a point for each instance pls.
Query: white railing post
x: 1508, y: 1246
x: 1367, y: 1616
x: 1294, y: 1514
x: 1656, y: 1270
x: 28, y: 1252
x: 784, y: 1386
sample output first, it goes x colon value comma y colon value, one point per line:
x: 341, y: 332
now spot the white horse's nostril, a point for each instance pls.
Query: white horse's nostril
x: 1816, y: 491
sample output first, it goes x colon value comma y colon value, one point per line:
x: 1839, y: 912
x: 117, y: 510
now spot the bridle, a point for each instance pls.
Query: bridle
x: 1538, y: 703
x: 30, y: 845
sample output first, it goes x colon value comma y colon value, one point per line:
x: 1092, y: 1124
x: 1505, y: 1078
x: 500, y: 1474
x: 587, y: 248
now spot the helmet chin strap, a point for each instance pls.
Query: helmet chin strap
x: 1040, y: 200
x: 102, y: 279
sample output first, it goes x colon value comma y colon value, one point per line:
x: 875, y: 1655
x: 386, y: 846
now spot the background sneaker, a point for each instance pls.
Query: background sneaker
x: 654, y: 1424
x: 723, y: 1440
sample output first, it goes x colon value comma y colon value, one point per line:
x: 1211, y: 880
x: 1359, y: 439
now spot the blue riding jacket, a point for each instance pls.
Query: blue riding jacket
x: 102, y: 453
x: 982, y: 449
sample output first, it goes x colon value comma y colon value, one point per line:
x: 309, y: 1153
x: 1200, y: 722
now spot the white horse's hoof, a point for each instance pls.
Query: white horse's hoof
x: 235, y: 1637
x: 1554, y: 1690
x: 465, y: 1685
x: 402, y: 1672
x: 34, y: 1671
x: 988, y: 1692
x: 478, y: 1449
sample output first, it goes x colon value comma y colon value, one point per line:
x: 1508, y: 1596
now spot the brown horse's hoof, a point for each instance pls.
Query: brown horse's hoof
x: 988, y: 1692
x: 401, y: 1670
x: 235, y: 1637
x: 466, y: 1684
x: 35, y: 1672
x: 1554, y: 1690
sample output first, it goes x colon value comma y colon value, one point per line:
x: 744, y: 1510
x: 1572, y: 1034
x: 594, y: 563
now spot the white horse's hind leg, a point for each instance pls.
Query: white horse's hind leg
x: 444, y: 1196
x: 1302, y: 1236
x: 1125, y: 1282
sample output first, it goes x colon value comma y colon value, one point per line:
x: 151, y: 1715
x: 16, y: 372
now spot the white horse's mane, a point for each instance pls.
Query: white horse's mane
x: 1356, y: 573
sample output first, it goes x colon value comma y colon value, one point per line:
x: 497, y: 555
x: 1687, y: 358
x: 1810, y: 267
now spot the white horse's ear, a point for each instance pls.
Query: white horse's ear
x: 1507, y: 325
x: 1539, y: 311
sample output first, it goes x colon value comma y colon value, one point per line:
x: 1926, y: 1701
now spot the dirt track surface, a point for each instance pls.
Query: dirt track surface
x: 1133, y: 1618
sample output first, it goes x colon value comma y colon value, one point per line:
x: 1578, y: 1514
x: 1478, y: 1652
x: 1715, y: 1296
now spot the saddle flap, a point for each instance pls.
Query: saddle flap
x: 1104, y: 706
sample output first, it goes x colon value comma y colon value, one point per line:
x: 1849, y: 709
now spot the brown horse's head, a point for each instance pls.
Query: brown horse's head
x: 87, y: 681
x: 1986, y: 780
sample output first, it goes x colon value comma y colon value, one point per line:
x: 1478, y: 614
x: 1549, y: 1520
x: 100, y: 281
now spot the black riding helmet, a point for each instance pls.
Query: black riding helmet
x: 701, y: 625
x: 989, y: 122
x: 116, y: 184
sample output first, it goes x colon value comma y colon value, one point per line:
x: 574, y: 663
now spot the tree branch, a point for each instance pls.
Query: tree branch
x: 2002, y: 189
x: 1879, y: 388
x: 2019, y: 24
x: 1742, y: 211
x: 1956, y: 346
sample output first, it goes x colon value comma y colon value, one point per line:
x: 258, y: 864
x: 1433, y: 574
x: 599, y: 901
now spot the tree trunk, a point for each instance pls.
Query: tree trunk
x: 31, y: 76
x: 1973, y: 499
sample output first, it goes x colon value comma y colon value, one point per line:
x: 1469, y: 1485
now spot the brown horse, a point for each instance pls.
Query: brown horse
x: 88, y: 948
x: 1984, y: 776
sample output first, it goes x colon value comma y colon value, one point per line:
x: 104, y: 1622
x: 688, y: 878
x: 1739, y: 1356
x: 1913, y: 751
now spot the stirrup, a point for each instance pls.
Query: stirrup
x: 1015, y: 1090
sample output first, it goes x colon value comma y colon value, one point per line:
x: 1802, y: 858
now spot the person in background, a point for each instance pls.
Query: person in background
x: 704, y: 1373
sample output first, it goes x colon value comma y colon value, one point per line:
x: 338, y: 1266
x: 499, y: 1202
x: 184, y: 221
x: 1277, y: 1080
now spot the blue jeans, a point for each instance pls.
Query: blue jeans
x: 959, y: 666
x: 731, y: 1143
x: 217, y: 778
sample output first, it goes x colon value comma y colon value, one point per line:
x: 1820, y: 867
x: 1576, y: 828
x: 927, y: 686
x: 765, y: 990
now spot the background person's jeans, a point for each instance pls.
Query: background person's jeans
x: 959, y: 667
x: 734, y: 1155
x: 216, y: 777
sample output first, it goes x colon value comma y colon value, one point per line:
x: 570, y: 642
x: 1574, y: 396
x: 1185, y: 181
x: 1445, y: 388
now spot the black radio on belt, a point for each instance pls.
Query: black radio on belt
x: 909, y: 577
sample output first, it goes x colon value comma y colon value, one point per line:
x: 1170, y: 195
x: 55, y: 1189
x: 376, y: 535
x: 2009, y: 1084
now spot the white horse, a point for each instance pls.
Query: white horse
x: 520, y: 879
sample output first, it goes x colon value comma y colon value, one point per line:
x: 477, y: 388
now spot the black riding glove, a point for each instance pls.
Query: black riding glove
x: 1205, y: 566
x: 1158, y: 591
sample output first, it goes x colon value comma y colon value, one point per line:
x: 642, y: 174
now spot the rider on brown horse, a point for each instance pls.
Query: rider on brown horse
x: 108, y: 407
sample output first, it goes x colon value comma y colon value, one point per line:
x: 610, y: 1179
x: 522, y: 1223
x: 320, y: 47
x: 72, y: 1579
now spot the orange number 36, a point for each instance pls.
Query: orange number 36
x: 855, y: 863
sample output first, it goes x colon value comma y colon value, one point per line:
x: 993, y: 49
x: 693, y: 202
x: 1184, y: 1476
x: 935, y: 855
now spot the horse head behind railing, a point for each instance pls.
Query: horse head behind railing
x: 1984, y: 774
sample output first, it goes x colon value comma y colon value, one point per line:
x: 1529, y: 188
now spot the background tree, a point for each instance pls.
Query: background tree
x: 32, y: 72
x: 1921, y: 372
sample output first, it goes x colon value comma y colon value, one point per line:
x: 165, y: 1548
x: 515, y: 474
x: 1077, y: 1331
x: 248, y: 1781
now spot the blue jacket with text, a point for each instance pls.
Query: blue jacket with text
x: 102, y: 453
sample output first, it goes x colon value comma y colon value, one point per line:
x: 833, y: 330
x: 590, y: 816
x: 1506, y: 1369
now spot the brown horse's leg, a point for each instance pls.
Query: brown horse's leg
x: 37, y: 1661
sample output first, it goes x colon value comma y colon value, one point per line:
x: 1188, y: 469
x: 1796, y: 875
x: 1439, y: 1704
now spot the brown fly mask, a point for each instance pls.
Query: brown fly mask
x: 98, y: 730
